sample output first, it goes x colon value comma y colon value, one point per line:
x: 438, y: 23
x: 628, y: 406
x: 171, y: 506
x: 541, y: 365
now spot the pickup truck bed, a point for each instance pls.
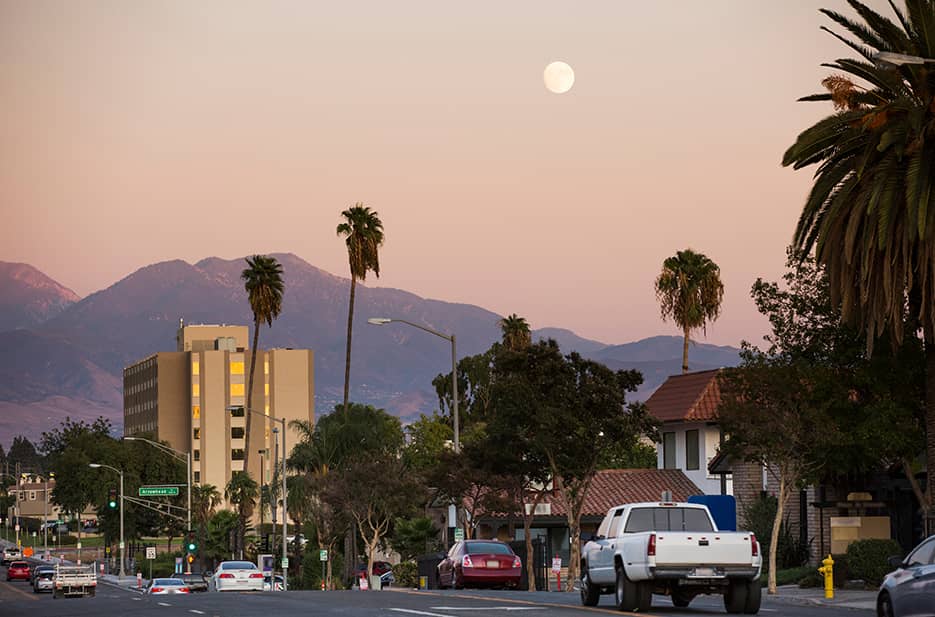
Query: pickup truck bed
x: 74, y: 581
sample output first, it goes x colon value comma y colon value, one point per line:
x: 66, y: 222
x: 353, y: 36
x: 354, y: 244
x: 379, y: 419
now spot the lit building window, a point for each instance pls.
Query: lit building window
x: 266, y: 367
x: 236, y: 368
x: 196, y: 412
x: 196, y: 367
x: 237, y: 454
x: 196, y: 433
x: 196, y: 389
x: 266, y: 389
x: 237, y: 389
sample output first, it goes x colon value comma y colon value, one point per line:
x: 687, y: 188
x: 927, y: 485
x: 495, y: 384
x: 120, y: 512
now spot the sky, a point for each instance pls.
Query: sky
x: 139, y: 132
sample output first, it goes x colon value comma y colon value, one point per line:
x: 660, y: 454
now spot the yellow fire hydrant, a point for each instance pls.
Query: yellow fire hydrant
x: 827, y: 569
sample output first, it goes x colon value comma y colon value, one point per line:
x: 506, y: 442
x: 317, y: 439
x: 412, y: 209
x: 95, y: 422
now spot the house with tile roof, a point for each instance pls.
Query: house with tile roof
x: 686, y: 405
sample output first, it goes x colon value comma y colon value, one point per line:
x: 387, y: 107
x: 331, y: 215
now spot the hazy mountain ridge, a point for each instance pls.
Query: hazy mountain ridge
x: 79, y: 354
x: 28, y: 297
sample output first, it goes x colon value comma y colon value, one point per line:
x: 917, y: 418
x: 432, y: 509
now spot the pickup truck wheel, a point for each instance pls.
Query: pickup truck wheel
x: 736, y: 596
x: 680, y: 599
x: 751, y: 605
x: 625, y: 592
x: 644, y: 596
x: 590, y: 594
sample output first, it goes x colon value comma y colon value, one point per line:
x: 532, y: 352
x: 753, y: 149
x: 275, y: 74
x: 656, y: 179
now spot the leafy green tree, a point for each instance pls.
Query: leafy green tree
x: 690, y: 291
x: 415, y: 536
x: 222, y: 531
x: 242, y: 491
x: 23, y: 453
x: 205, y: 500
x: 429, y: 437
x: 363, y: 234
x: 869, y: 215
x: 264, y: 286
x: 473, y: 393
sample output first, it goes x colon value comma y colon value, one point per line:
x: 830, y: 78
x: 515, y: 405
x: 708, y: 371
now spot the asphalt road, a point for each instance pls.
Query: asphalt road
x: 17, y: 599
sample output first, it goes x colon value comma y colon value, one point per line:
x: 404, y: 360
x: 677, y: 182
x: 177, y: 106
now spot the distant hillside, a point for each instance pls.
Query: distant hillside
x: 72, y: 363
x: 28, y: 297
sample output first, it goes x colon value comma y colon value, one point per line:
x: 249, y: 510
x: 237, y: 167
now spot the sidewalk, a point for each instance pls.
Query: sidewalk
x: 845, y: 598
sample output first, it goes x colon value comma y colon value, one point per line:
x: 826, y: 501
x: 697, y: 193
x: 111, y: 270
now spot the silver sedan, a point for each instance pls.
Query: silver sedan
x: 909, y: 591
x: 237, y: 576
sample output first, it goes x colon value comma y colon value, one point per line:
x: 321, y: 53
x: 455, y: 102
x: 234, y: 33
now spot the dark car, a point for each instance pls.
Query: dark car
x: 17, y: 570
x: 479, y: 563
x: 36, y: 571
x: 909, y: 591
x: 196, y: 582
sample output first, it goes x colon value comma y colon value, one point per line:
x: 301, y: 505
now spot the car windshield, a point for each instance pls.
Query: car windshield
x: 237, y: 565
x: 487, y: 548
x: 168, y: 582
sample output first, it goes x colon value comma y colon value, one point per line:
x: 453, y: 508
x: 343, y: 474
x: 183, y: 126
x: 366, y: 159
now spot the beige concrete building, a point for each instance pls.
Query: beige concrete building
x: 184, y: 398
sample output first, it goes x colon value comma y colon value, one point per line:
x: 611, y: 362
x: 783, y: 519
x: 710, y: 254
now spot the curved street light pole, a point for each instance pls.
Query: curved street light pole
x: 123, y: 572
x: 285, y: 568
x: 181, y: 456
x: 379, y: 321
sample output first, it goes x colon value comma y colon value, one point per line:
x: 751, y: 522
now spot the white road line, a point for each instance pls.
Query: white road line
x: 412, y: 612
x: 196, y: 611
x: 163, y: 604
x: 487, y: 608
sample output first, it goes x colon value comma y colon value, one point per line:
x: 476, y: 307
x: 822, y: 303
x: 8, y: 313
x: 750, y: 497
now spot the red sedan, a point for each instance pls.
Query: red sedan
x: 17, y: 570
x: 480, y: 562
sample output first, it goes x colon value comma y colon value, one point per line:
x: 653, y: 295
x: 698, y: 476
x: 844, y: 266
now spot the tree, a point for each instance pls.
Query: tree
x: 242, y: 491
x: 205, y: 500
x: 516, y: 332
x: 869, y: 215
x: 415, y: 536
x: 24, y: 453
x: 690, y: 291
x: 264, y: 286
x: 363, y: 233
x: 222, y: 528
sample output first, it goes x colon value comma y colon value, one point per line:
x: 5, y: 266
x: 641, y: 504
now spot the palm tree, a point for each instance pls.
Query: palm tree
x: 363, y: 233
x: 205, y: 500
x: 870, y: 216
x: 242, y: 491
x: 516, y: 332
x: 263, y: 283
x: 690, y: 291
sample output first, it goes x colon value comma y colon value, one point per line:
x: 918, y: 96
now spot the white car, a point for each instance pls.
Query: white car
x: 237, y: 576
x: 10, y: 554
x: 164, y: 586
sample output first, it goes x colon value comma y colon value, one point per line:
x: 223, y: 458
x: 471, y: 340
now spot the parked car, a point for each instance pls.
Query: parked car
x: 237, y: 576
x: 17, y: 570
x: 268, y: 583
x: 479, y: 562
x: 164, y: 586
x: 379, y: 568
x: 44, y: 580
x: 11, y: 553
x: 196, y: 581
x: 909, y: 591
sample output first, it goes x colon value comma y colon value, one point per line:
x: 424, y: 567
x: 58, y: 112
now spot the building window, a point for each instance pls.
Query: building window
x: 237, y: 454
x: 236, y: 368
x: 237, y: 412
x: 196, y: 389
x: 668, y: 451
x: 22, y: 496
x: 196, y: 412
x: 237, y: 432
x: 266, y: 389
x: 197, y: 477
x: 196, y: 455
x: 196, y: 367
x: 196, y: 433
x: 236, y: 389
x: 32, y: 495
x: 691, y: 449
x: 266, y: 367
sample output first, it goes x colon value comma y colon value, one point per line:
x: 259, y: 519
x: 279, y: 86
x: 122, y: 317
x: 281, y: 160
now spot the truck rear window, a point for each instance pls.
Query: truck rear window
x: 667, y: 519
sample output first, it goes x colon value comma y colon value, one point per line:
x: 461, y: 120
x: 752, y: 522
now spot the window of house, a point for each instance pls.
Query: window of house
x: 32, y: 495
x: 197, y: 477
x: 691, y: 449
x: 237, y: 432
x: 196, y: 433
x: 237, y: 454
x: 668, y: 451
x: 196, y: 455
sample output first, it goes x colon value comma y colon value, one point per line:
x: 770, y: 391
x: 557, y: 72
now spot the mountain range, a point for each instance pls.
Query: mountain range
x: 61, y: 355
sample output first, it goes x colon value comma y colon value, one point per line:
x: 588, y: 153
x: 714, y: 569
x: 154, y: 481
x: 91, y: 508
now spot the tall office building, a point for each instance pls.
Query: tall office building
x: 185, y: 398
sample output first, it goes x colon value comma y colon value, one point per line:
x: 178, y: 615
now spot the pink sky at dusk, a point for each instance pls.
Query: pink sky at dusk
x: 137, y: 132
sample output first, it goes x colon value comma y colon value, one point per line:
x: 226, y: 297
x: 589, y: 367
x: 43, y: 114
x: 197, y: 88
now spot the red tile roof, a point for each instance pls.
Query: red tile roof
x: 687, y: 397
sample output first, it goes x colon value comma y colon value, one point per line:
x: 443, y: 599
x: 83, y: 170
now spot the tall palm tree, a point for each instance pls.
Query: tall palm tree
x: 870, y: 216
x: 242, y: 491
x: 205, y: 500
x: 690, y: 291
x: 263, y: 283
x: 363, y: 234
x: 516, y: 332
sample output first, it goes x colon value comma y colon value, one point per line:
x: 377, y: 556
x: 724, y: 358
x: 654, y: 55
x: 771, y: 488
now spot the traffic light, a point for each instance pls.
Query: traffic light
x: 190, y: 558
x: 112, y: 499
x: 191, y: 546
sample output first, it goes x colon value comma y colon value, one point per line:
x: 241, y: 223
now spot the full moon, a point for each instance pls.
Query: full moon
x: 558, y: 77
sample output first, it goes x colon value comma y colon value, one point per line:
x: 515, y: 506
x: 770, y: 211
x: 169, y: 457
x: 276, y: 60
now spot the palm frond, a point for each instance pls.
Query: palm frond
x: 895, y: 37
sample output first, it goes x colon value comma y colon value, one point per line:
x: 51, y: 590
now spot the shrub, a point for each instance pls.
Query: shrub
x: 406, y: 574
x: 867, y: 559
x: 758, y: 517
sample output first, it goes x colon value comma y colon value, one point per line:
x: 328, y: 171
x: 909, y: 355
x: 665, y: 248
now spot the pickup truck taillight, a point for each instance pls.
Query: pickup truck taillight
x: 754, y: 547
x: 466, y: 562
x: 651, y: 546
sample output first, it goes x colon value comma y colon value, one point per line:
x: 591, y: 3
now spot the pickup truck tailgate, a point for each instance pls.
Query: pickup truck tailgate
x: 703, y: 548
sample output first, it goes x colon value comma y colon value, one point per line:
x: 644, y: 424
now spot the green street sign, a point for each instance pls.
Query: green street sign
x: 323, y: 555
x: 159, y: 491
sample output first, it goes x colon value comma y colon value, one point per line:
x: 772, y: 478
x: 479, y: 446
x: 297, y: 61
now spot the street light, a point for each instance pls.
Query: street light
x: 379, y: 321
x: 122, y: 573
x: 285, y: 568
x: 181, y: 456
x: 45, y: 519
x: 895, y: 59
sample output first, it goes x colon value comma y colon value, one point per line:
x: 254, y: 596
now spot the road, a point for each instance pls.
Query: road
x: 17, y: 599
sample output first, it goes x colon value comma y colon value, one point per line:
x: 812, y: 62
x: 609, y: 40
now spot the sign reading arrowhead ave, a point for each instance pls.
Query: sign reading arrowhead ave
x: 159, y: 491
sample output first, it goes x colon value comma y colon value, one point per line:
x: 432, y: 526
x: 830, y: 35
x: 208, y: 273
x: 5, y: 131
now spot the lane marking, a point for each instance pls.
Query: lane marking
x: 196, y: 611
x: 484, y: 608
x: 589, y: 609
x: 413, y: 612
x: 163, y: 604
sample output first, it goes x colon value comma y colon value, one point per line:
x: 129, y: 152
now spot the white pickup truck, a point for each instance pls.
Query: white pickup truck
x: 74, y: 581
x: 673, y: 549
